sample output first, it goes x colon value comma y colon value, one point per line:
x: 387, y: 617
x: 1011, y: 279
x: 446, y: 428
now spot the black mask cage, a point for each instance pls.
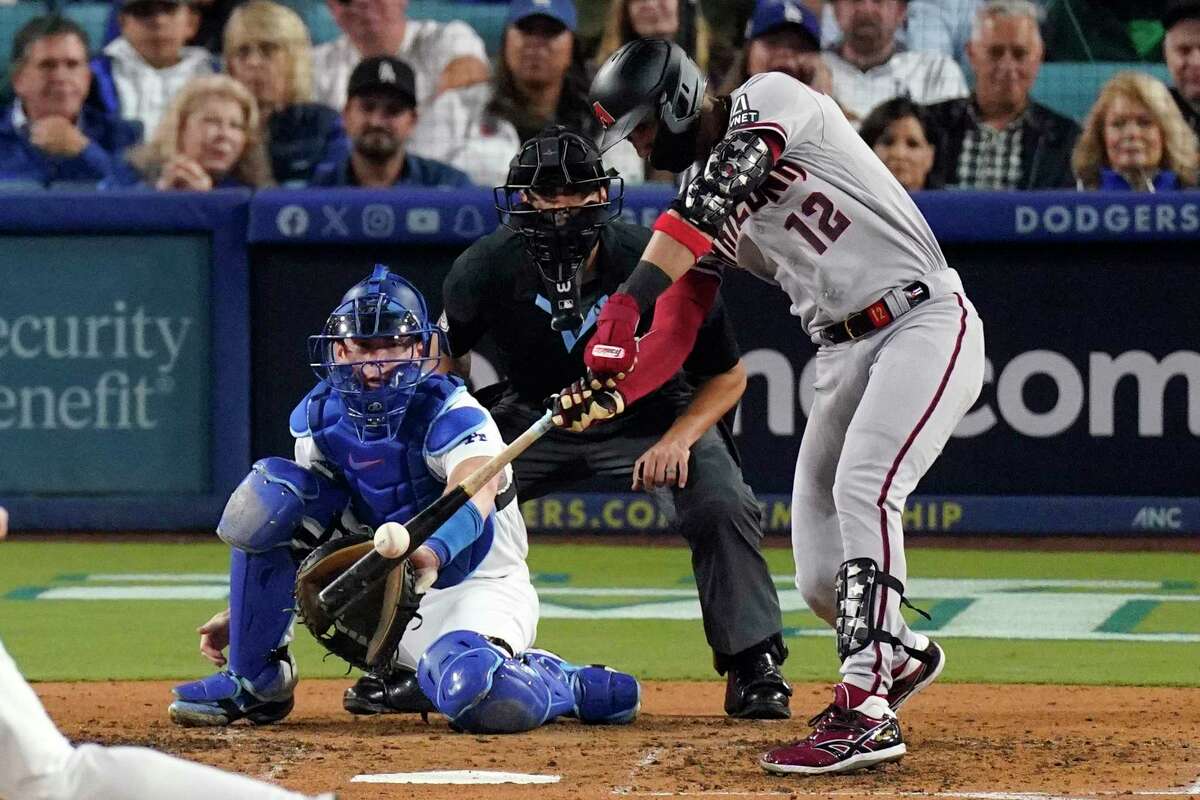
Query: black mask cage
x: 552, y: 165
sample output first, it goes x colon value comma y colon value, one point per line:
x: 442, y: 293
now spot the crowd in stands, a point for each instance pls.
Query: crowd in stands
x: 204, y: 94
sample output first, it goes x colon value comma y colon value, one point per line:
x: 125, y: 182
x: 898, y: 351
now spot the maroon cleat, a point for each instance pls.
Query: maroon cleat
x: 926, y: 673
x: 843, y: 739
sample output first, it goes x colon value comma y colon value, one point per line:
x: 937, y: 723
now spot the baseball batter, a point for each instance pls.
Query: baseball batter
x: 786, y: 189
x: 38, y: 763
x: 378, y: 439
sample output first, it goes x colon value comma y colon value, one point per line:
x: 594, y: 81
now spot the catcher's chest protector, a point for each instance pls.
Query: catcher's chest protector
x: 388, y: 478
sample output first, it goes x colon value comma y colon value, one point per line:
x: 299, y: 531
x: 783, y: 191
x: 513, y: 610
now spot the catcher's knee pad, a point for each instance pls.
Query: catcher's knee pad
x: 483, y: 689
x: 271, y: 502
x: 596, y: 694
x: 858, y: 584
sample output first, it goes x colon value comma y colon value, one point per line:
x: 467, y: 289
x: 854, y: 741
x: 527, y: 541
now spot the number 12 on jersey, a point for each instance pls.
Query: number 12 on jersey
x: 831, y: 223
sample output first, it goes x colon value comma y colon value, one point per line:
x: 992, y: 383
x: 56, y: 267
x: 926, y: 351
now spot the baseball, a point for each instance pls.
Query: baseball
x: 3, y: 522
x: 391, y: 539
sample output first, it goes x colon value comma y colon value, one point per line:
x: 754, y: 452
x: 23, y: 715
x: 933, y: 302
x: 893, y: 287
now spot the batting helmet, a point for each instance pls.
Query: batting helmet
x: 642, y: 78
x: 384, y: 310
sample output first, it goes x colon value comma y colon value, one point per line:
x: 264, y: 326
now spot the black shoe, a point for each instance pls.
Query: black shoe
x: 392, y: 692
x: 755, y: 689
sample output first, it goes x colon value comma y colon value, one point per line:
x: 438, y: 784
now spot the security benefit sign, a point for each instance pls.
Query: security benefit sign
x: 104, y: 365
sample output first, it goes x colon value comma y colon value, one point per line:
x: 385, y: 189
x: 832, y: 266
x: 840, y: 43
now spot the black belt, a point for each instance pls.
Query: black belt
x: 873, y: 317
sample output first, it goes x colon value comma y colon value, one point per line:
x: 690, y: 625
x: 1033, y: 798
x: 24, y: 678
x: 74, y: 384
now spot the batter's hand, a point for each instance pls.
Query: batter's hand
x: 214, y: 637
x: 613, y: 349
x: 579, y: 405
x: 664, y: 464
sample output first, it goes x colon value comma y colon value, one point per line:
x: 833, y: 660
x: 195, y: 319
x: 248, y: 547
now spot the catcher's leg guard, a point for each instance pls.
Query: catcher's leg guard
x: 601, y: 695
x: 483, y: 689
x: 261, y: 676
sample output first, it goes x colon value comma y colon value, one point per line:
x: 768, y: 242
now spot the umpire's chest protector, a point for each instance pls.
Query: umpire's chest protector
x: 388, y: 478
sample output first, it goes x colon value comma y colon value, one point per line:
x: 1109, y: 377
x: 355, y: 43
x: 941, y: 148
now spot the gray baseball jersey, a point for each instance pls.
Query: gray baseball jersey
x: 829, y: 225
x: 833, y: 229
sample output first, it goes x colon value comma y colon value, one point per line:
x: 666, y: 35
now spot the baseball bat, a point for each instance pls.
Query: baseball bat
x: 354, y: 583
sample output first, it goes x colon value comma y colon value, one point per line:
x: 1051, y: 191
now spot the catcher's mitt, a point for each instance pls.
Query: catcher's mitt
x: 366, y: 635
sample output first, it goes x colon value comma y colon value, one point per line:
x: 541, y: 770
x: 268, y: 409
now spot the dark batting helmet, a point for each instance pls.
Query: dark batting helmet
x: 642, y: 78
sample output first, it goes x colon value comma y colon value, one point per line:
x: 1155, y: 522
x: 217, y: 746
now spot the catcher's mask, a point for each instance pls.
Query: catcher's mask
x: 558, y: 198
x: 374, y: 350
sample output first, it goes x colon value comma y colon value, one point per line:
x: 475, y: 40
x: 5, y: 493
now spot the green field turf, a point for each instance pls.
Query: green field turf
x: 1100, y: 618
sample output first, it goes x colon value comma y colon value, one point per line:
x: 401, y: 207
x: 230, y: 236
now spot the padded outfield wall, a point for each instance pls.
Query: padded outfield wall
x: 151, y: 347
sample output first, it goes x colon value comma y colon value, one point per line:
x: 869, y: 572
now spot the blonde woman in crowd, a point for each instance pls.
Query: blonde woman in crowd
x: 268, y: 49
x: 208, y: 139
x: 1135, y: 139
x: 677, y: 20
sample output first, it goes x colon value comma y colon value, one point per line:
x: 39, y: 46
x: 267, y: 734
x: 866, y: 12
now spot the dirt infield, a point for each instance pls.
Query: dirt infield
x: 1077, y: 741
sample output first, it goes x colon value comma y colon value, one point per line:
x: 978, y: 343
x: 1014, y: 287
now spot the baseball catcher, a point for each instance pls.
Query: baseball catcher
x: 378, y: 439
x: 778, y: 183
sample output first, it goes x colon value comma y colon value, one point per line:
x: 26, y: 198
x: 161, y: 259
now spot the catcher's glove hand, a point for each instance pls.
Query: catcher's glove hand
x: 367, y: 633
x: 586, y: 401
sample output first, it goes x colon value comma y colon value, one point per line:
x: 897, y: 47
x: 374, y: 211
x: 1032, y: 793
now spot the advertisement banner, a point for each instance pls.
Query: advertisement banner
x: 124, y: 358
x: 104, y: 379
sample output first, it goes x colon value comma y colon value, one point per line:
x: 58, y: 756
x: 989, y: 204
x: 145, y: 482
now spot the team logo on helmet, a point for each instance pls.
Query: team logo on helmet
x: 605, y: 118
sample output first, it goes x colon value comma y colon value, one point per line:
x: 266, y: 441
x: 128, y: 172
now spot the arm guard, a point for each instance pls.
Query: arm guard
x: 735, y: 168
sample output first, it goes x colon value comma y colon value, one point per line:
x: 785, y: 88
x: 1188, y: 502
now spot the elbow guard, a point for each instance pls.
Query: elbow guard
x: 735, y: 168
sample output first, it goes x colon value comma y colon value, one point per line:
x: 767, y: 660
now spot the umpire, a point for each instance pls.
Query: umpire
x: 536, y: 286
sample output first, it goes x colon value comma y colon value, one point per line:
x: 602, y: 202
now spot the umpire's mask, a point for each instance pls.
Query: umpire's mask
x: 558, y: 197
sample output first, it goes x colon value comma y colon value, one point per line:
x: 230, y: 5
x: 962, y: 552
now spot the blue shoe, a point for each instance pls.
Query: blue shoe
x: 224, y: 698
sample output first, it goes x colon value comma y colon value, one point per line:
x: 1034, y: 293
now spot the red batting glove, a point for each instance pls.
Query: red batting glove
x: 613, y: 349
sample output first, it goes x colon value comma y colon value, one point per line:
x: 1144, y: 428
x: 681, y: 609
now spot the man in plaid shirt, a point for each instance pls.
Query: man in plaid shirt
x: 998, y: 138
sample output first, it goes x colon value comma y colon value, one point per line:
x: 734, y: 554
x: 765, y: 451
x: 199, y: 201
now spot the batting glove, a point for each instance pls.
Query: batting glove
x: 613, y: 348
x: 584, y: 402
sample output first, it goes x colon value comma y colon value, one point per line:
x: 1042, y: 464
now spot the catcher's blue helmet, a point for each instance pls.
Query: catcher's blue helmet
x: 381, y: 313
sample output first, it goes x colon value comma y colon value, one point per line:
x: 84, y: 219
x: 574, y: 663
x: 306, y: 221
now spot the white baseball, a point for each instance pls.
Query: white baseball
x: 391, y: 539
x: 3, y: 522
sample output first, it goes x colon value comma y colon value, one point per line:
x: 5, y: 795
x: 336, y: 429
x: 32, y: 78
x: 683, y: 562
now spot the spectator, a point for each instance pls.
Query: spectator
x: 869, y: 67
x: 268, y: 50
x: 207, y: 139
x: 1135, y: 138
x: 379, y: 116
x: 443, y: 55
x: 998, y: 138
x: 898, y: 133
x: 1182, y: 50
x: 140, y: 71
x: 782, y: 36
x: 931, y: 26
x: 1104, y: 30
x: 48, y: 135
x: 209, y: 18
x: 678, y: 20
x: 540, y: 81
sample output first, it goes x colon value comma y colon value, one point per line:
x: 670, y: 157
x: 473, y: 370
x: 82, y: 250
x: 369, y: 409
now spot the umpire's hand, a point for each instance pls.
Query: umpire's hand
x: 664, y: 464
x: 586, y: 401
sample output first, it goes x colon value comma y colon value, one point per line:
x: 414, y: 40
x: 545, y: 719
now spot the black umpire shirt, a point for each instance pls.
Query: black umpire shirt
x: 492, y: 290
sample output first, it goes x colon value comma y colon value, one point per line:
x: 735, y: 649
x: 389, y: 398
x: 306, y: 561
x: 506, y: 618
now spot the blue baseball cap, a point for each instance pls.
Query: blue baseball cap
x: 770, y: 15
x: 558, y: 10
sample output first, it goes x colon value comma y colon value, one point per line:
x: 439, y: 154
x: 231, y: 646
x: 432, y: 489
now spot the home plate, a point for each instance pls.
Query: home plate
x: 455, y: 776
